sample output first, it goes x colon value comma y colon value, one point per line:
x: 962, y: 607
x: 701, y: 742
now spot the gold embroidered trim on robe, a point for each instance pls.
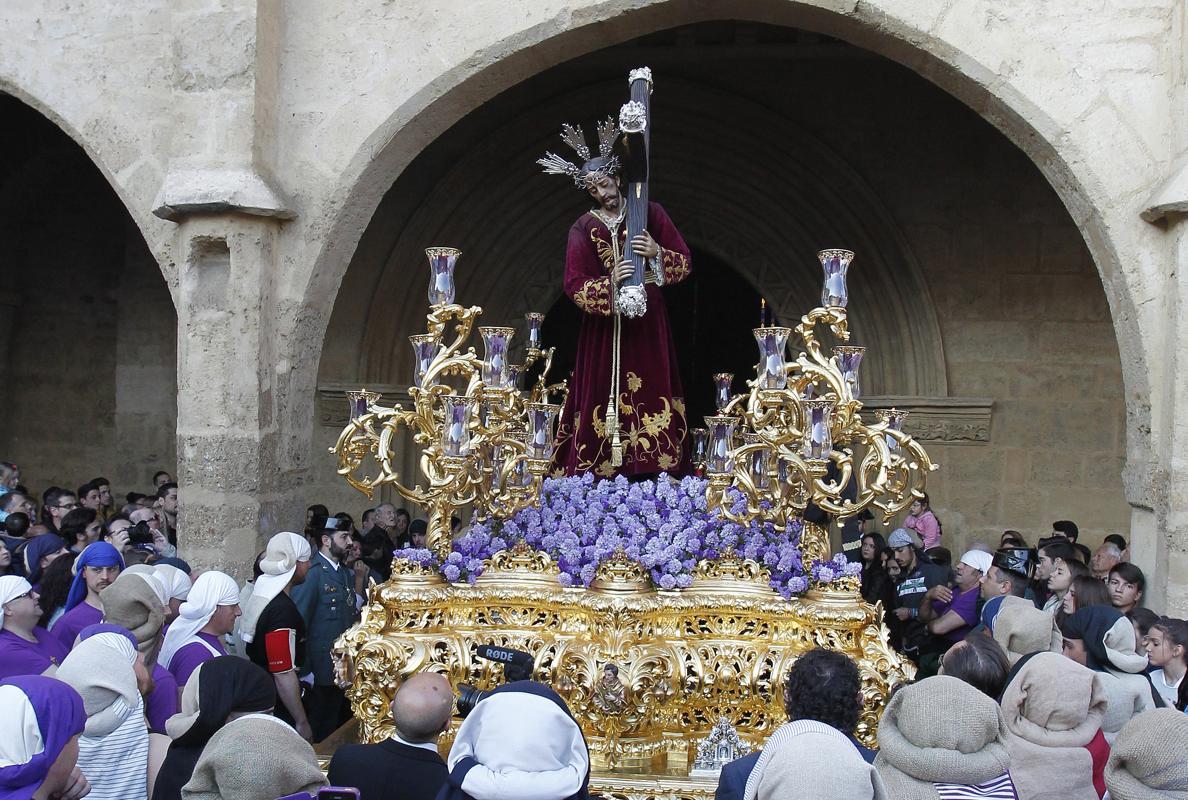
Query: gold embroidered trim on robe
x: 594, y: 297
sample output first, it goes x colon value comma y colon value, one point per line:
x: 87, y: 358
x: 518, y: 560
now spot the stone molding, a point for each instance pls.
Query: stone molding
x: 218, y: 191
x: 332, y: 404
x: 947, y: 420
x: 1170, y: 198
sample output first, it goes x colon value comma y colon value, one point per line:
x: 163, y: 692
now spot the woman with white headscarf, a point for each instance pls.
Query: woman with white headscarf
x: 272, y: 626
x: 519, y: 741
x: 177, y: 588
x: 106, y: 669
x: 207, y: 616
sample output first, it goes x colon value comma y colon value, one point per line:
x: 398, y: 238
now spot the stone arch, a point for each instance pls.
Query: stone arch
x: 1022, y: 119
x: 141, y: 216
x: 818, y: 201
x: 86, y: 317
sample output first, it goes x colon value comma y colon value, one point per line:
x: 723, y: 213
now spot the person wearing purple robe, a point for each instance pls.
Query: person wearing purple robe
x: 25, y: 648
x: 96, y: 567
x: 42, y: 720
x: 208, y: 615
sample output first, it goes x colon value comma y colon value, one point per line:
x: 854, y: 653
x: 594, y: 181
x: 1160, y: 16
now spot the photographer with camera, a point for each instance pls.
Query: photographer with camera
x: 406, y: 766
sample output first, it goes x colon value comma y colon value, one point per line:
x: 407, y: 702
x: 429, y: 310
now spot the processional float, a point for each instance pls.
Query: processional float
x: 648, y: 671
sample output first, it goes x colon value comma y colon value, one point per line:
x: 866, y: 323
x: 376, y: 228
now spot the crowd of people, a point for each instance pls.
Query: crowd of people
x: 139, y: 662
x: 126, y: 674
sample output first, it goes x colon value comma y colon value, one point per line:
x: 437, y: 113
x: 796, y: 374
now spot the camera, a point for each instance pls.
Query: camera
x: 517, y: 666
x: 1020, y: 560
x: 140, y: 533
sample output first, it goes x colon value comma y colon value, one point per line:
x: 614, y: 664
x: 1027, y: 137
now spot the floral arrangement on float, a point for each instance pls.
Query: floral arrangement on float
x: 664, y: 525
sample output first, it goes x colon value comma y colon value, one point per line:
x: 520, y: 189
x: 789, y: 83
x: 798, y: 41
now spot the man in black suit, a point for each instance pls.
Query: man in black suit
x: 407, y: 766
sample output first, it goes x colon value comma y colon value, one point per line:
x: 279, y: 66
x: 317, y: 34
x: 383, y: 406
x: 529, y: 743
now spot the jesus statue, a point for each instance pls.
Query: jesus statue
x: 626, y: 388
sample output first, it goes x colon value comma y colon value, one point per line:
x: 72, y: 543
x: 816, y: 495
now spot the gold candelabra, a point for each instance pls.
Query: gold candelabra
x: 483, y: 442
x: 797, y: 435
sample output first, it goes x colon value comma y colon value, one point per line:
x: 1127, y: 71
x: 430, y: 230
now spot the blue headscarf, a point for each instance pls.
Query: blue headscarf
x: 98, y: 554
x: 38, y: 548
x: 59, y: 717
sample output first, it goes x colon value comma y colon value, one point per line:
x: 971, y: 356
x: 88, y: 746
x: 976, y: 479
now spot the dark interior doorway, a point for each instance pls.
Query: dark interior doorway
x: 712, y: 314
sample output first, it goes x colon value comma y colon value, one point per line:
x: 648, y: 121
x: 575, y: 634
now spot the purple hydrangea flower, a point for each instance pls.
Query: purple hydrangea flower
x: 582, y: 522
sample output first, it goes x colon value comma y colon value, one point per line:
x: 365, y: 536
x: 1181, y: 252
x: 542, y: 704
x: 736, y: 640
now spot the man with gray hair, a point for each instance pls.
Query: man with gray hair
x: 1104, y: 559
x: 406, y: 766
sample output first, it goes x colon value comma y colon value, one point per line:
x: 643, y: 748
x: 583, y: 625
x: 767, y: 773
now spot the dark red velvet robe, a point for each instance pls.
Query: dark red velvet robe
x: 651, y: 403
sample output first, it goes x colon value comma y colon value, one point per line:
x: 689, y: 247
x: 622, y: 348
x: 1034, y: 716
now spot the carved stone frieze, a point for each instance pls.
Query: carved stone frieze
x: 948, y: 420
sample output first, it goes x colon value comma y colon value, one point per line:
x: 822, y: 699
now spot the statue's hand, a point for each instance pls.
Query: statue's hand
x: 645, y: 245
x: 623, y: 272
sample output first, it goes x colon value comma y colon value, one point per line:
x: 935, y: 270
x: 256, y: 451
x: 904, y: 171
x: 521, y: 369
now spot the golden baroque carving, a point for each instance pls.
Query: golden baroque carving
x: 680, y: 659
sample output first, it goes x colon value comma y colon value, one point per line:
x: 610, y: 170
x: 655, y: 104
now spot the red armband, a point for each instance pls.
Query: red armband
x: 280, y: 646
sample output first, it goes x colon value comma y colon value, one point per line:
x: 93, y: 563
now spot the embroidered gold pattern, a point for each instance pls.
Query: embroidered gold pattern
x: 656, y: 437
x: 675, y: 265
x: 594, y: 297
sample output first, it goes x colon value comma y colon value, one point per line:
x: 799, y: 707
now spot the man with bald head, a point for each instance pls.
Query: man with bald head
x: 406, y: 766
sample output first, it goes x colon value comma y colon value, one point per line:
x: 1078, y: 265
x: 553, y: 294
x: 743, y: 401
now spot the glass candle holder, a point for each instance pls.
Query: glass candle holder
x: 542, y: 420
x: 835, y: 263
x: 848, y: 358
x: 361, y: 400
x: 818, y: 438
x: 535, y: 320
x: 496, y: 341
x: 455, y: 430
x: 721, y: 442
x: 700, y: 440
x: 425, y: 348
x: 772, y: 370
x: 514, y: 373
x: 722, y: 383
x: 894, y: 418
x: 498, y: 453
x: 441, y: 274
x: 757, y: 461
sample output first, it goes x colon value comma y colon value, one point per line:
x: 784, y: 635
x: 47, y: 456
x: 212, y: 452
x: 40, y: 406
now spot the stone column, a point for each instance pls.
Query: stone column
x: 231, y: 371
x: 233, y: 493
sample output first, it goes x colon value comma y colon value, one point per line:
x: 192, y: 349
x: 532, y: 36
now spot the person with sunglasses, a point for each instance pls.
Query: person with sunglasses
x: 25, y: 647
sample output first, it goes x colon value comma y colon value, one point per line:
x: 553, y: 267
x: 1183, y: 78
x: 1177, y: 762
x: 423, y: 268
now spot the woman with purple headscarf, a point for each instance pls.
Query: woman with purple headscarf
x: 39, y: 552
x: 95, y: 569
x: 39, y: 732
x: 25, y: 648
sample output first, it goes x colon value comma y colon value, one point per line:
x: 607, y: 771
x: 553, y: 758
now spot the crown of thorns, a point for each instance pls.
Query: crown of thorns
x: 575, y: 137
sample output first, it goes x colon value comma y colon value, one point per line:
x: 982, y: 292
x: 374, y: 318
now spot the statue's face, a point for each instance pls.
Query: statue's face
x: 605, y: 191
